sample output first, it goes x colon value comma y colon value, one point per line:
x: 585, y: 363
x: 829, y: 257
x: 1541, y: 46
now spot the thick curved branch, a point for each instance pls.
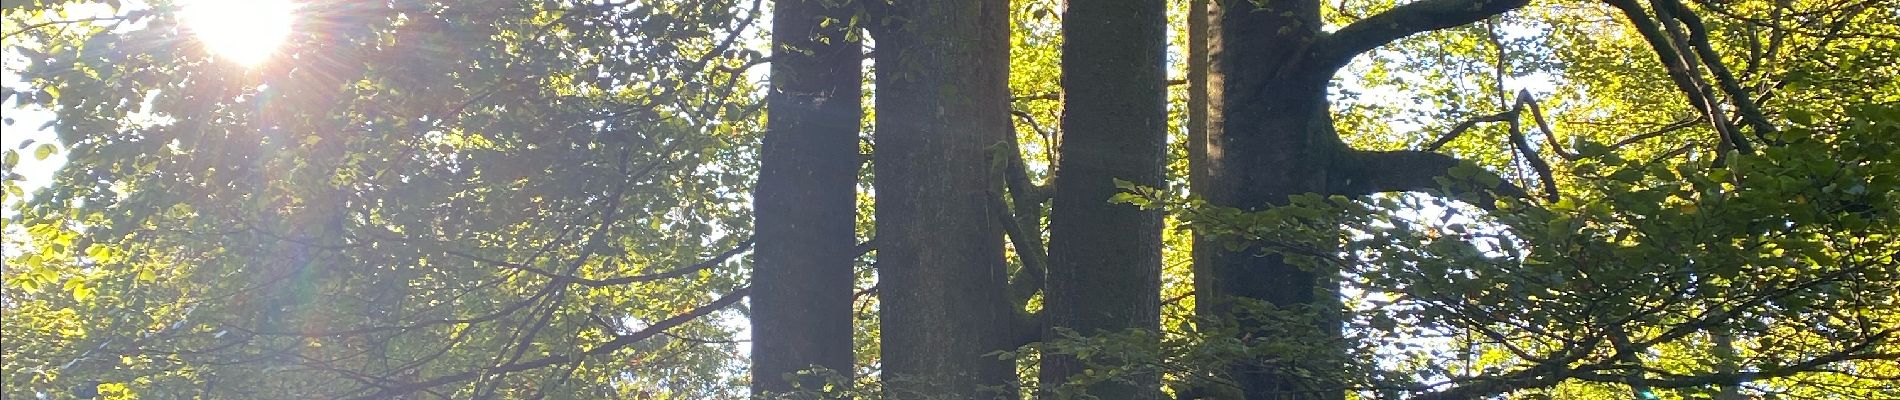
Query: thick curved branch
x: 1368, y: 172
x: 1406, y: 20
x: 1537, y: 115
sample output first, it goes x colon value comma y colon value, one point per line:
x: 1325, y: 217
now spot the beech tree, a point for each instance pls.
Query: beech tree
x: 1104, y: 272
x: 943, y: 107
x: 1280, y: 199
x: 804, y: 265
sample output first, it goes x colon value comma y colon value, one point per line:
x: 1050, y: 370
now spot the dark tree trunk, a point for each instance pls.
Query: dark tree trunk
x: 1199, y: 113
x: 942, y: 108
x: 1270, y: 135
x: 1275, y: 140
x: 1105, y: 259
x: 806, y: 231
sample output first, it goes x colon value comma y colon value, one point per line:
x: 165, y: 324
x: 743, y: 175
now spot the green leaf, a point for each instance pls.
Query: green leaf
x: 77, y: 286
x: 45, y: 150
x: 1799, y: 116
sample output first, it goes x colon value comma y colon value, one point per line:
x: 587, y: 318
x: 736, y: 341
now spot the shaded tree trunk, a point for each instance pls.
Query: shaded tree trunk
x: 942, y: 108
x: 1105, y: 259
x: 1198, y: 112
x: 805, y: 202
x: 1270, y: 135
x: 1275, y: 140
x: 1203, y: 90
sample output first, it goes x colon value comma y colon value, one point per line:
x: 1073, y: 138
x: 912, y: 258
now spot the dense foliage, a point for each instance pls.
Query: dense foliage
x: 526, y: 199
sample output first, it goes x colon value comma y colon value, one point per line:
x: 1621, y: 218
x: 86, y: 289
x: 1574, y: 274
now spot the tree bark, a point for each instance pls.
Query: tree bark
x: 1202, y: 95
x: 1197, y: 94
x: 805, y: 202
x: 942, y: 106
x: 1275, y: 140
x: 1271, y: 136
x: 1105, y: 258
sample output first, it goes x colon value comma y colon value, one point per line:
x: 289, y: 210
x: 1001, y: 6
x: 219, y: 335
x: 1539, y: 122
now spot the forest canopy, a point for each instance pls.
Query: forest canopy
x: 951, y: 199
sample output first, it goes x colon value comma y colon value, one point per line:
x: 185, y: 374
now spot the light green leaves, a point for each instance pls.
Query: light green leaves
x: 44, y: 150
x: 79, y: 289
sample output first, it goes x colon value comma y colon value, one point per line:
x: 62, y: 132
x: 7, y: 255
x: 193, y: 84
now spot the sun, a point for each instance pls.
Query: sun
x: 246, y: 32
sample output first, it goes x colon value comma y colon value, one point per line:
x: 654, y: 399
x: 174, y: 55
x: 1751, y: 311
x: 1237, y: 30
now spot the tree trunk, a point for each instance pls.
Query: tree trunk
x: 1198, y: 114
x: 1105, y: 258
x: 1202, y: 91
x: 1275, y: 140
x: 1270, y: 136
x: 942, y: 106
x: 805, y: 202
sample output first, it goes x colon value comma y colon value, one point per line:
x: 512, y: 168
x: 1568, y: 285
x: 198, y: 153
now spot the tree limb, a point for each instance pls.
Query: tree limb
x: 1544, y: 174
x: 1368, y: 172
x: 1665, y: 129
x: 1465, y: 125
x: 1399, y: 22
x: 1680, y: 72
x: 1699, y: 40
x: 1537, y: 114
x: 617, y: 343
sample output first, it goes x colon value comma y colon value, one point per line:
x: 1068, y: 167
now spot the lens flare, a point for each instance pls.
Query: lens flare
x: 246, y: 32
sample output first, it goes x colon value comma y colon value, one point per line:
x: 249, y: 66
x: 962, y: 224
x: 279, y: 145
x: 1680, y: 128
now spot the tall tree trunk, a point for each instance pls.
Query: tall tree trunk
x: 1270, y: 136
x: 805, y: 203
x: 1203, y: 102
x: 1104, y: 258
x: 1275, y: 140
x: 942, y: 108
x: 1199, y: 84
x: 1202, y: 87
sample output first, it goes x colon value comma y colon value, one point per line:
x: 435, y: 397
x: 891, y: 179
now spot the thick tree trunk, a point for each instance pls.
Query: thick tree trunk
x: 1270, y: 136
x: 1274, y: 140
x: 805, y: 203
x: 1104, y: 258
x: 942, y: 106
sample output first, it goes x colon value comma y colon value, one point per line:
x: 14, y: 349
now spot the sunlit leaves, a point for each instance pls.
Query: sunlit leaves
x: 386, y: 173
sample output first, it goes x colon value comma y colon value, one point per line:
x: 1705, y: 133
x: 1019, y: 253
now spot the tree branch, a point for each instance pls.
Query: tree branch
x: 1665, y: 129
x: 1466, y: 125
x: 1406, y: 20
x: 1699, y: 41
x: 1680, y: 72
x: 1368, y: 172
x: 1537, y: 114
x: 617, y: 343
x: 1544, y: 174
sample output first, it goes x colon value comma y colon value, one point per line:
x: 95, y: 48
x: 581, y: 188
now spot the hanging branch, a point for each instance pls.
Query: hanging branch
x: 1682, y: 74
x: 1544, y: 174
x: 1699, y: 41
x: 1550, y: 136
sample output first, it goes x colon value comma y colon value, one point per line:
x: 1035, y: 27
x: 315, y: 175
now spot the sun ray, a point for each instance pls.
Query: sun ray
x: 246, y: 32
